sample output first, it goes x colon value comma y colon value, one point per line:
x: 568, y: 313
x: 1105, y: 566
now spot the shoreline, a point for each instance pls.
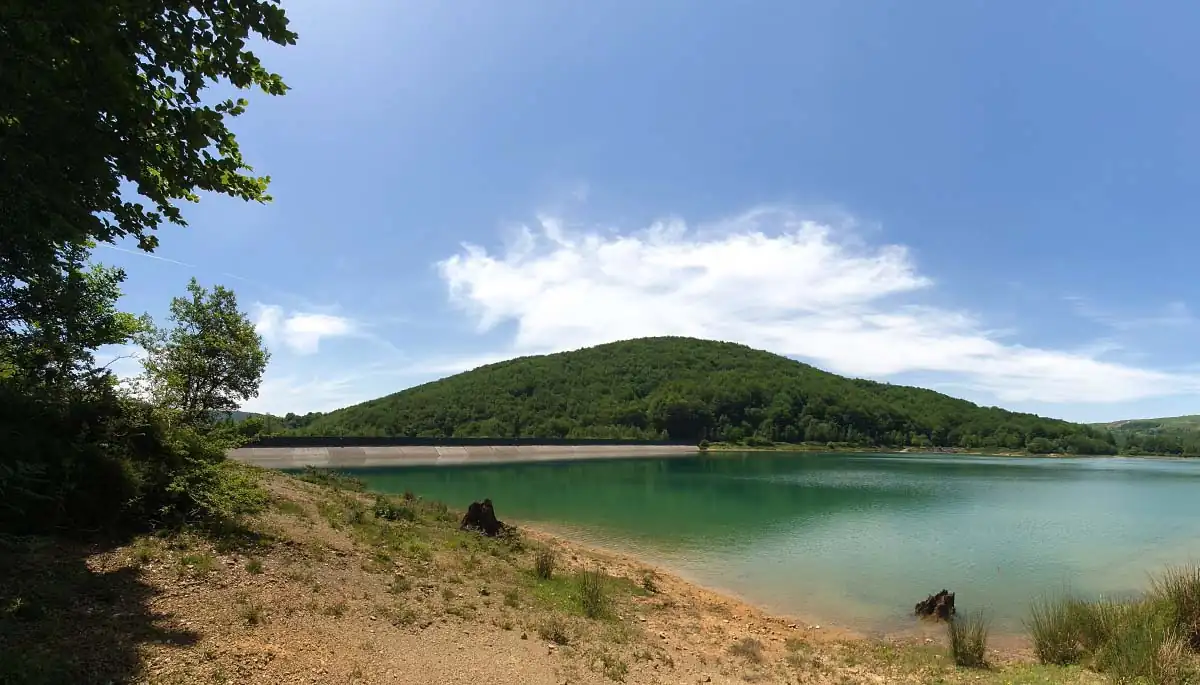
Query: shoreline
x: 1011, y: 646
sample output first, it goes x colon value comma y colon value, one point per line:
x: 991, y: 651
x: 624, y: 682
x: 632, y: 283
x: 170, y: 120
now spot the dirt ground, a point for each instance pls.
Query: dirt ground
x: 328, y: 588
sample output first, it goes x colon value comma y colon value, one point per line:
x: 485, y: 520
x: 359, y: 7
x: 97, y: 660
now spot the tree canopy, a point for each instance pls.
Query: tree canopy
x: 104, y: 132
x: 684, y: 388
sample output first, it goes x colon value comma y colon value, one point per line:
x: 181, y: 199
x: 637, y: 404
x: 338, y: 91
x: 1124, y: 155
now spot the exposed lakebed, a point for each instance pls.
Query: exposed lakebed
x: 856, y: 540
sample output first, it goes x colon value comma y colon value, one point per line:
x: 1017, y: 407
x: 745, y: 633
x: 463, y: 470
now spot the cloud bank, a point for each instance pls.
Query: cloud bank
x: 773, y: 280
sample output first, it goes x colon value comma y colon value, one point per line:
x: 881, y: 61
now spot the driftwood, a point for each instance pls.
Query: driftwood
x: 481, y: 516
x: 938, y: 606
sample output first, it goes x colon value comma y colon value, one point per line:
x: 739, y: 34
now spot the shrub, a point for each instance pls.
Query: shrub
x: 87, y: 458
x: 254, y: 566
x: 593, y: 594
x: 704, y: 444
x: 544, y: 562
x: 554, y: 629
x: 968, y: 640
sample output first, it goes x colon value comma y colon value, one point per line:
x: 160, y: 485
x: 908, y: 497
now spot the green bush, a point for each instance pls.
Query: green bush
x: 86, y: 459
x: 968, y: 639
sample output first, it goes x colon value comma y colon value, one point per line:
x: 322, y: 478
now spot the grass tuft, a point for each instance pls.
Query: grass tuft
x: 544, y: 562
x: 1147, y: 640
x: 968, y: 640
x: 254, y: 566
x: 554, y: 629
x: 593, y: 594
x: 1179, y: 588
x: 748, y: 648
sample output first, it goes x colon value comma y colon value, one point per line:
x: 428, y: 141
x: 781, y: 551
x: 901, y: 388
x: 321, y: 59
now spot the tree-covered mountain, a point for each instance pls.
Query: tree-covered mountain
x: 1172, y: 435
x: 683, y: 388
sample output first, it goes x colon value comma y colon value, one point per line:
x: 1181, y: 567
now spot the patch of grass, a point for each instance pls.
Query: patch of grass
x: 288, y: 507
x: 331, y: 479
x: 650, y: 581
x: 554, y: 629
x: 337, y: 609
x: 968, y: 639
x: 512, y: 598
x: 544, y: 562
x: 399, y: 585
x: 198, y: 563
x: 1134, y: 641
x: 748, y: 648
x: 252, y: 613
x: 463, y: 611
x: 593, y: 594
x: 254, y: 566
x: 1179, y: 588
x: 146, y: 550
x: 392, y: 510
x: 611, y: 665
x: 398, y: 615
x: 1144, y: 644
x: 505, y: 622
x: 1054, y: 628
x: 447, y: 594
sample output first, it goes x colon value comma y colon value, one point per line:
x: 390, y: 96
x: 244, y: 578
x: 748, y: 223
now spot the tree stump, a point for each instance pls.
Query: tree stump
x: 938, y: 606
x: 481, y: 516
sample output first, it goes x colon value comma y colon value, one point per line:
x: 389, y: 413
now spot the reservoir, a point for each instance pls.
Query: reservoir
x: 856, y: 540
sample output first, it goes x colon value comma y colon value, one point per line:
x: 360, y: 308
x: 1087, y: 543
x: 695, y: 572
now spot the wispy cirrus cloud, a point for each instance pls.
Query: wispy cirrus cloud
x: 772, y: 279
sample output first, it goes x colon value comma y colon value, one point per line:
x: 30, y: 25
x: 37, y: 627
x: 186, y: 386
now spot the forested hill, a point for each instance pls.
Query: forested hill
x: 694, y: 389
x: 1172, y: 435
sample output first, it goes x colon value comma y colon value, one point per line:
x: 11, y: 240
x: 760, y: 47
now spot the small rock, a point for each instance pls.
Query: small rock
x: 792, y: 626
x: 662, y: 636
x: 642, y: 619
x: 524, y: 636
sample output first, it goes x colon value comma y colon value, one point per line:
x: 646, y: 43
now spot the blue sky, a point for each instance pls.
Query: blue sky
x: 996, y: 200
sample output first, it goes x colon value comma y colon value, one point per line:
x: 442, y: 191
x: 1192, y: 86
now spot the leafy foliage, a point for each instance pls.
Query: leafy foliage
x: 684, y: 388
x: 97, y: 98
x: 1175, y: 436
x: 210, y: 361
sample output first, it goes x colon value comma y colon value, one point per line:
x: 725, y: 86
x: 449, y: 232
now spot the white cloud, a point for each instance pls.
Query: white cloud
x: 775, y: 281
x: 299, y: 331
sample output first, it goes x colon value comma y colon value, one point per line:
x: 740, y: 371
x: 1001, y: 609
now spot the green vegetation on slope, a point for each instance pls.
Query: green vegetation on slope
x: 683, y: 388
x: 1173, y: 435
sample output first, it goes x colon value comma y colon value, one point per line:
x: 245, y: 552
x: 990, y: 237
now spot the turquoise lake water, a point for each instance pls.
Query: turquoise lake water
x: 856, y: 540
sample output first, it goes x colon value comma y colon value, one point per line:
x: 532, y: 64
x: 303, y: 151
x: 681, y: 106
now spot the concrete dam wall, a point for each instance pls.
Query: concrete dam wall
x: 425, y: 455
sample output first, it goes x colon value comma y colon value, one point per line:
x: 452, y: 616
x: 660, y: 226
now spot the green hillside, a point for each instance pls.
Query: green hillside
x: 692, y: 389
x: 1171, y: 435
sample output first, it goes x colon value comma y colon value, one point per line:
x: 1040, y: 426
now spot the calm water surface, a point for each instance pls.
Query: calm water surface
x: 856, y: 540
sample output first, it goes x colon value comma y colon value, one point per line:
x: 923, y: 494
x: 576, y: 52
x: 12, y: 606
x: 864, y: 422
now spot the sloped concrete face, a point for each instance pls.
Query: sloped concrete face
x: 358, y: 457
